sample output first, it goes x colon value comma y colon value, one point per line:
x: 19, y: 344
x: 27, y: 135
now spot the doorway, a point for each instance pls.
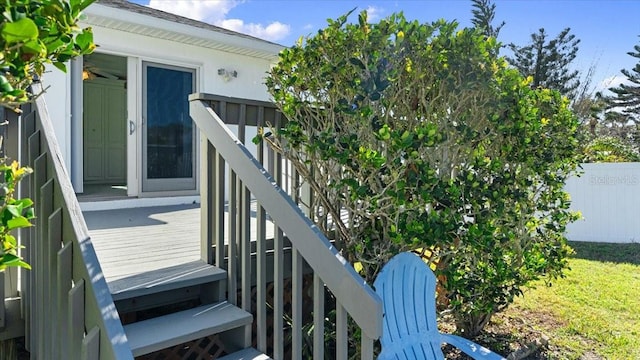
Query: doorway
x: 104, y: 127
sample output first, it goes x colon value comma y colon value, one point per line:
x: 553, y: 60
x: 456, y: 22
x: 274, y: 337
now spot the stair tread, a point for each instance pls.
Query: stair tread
x: 174, y: 277
x: 161, y: 332
x: 246, y: 354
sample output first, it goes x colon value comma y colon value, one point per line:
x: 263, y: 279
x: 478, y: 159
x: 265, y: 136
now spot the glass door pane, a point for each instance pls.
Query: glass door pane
x: 168, y: 143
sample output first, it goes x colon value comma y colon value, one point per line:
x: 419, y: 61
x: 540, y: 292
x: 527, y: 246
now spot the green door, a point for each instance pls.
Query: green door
x: 104, y: 132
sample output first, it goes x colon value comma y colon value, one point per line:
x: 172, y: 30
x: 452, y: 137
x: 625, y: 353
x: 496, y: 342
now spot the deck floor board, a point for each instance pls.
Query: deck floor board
x: 132, y: 241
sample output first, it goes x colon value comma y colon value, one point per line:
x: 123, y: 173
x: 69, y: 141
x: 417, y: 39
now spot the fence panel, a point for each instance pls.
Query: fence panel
x: 607, y: 195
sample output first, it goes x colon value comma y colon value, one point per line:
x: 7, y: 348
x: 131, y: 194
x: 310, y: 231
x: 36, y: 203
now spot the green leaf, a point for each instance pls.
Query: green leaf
x: 19, y: 31
x: 5, y: 86
x: 18, y: 222
x: 12, y: 260
x: 85, y: 41
x: 61, y: 66
x: 25, y: 203
x: 14, y: 210
x: 384, y: 133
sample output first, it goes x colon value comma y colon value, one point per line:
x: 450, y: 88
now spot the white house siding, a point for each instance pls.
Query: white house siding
x: 608, y: 196
x: 248, y: 84
x: 251, y: 71
x: 58, y: 98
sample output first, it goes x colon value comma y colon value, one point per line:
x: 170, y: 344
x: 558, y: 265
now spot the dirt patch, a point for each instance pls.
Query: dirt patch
x: 519, y: 332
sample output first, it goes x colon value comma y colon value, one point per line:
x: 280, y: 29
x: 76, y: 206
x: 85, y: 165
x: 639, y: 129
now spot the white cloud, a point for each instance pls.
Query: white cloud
x: 211, y: 11
x: 612, y: 81
x: 374, y: 13
x: 274, y: 31
x: 215, y: 12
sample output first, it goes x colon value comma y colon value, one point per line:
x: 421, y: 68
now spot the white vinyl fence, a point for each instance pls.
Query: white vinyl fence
x: 608, y: 196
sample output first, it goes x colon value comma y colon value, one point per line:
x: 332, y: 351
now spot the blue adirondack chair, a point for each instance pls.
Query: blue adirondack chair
x: 407, y: 287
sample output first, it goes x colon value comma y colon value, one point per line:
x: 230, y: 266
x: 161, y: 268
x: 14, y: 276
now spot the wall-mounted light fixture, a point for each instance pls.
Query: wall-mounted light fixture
x: 227, y: 75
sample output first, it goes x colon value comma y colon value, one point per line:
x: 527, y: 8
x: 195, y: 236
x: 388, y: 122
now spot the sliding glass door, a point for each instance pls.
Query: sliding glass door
x: 168, y: 154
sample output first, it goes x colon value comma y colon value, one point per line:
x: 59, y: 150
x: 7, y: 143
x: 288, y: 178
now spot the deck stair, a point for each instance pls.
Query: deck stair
x: 192, y: 289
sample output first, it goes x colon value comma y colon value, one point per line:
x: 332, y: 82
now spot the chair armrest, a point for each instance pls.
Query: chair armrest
x: 470, y: 348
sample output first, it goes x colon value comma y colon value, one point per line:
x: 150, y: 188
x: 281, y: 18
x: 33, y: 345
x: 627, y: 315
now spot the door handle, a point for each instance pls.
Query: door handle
x: 132, y: 127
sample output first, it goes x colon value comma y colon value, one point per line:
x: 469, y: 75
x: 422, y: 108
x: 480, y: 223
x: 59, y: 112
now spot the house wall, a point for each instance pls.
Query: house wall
x: 607, y: 195
x: 57, y: 96
x: 249, y: 83
x: 251, y: 71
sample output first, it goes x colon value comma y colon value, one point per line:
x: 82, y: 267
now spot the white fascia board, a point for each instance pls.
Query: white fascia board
x: 243, y: 44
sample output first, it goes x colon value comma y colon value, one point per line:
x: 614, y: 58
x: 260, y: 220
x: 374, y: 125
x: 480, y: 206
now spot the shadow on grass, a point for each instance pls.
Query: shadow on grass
x: 607, y: 252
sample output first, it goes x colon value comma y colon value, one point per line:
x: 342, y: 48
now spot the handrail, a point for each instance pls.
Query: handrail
x: 357, y: 298
x: 68, y: 305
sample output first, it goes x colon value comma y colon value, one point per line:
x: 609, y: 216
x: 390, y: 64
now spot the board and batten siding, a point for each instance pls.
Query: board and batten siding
x: 608, y: 196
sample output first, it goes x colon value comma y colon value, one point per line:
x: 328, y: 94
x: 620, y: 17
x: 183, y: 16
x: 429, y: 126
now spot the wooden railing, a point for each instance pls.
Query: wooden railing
x: 67, y: 308
x: 232, y: 177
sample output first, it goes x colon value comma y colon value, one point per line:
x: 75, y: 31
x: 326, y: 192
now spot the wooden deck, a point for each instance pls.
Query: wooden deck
x: 129, y: 242
x: 133, y: 241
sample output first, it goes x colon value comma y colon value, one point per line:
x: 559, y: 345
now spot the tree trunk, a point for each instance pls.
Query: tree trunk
x: 471, y: 326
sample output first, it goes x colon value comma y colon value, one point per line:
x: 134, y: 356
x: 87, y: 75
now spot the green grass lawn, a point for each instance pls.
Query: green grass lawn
x: 595, y: 310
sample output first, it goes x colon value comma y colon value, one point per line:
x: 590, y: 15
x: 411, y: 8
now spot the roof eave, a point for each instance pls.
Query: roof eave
x: 119, y: 19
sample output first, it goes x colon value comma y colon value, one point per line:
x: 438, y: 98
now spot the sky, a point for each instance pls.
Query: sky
x: 608, y: 29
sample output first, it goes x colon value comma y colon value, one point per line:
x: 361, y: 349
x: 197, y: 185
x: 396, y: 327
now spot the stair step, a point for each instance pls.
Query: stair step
x: 246, y: 354
x: 171, y: 278
x: 165, y: 331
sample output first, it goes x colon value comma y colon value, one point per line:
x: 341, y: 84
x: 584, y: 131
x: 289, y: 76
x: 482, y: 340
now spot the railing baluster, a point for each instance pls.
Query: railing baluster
x: 53, y: 245
x: 91, y: 345
x: 76, y: 318
x: 261, y: 261
x: 296, y: 304
x: 244, y: 237
x: 367, y: 347
x: 342, y: 334
x: 3, y: 320
x: 46, y: 208
x: 278, y: 268
x: 234, y: 229
x: 64, y: 276
x: 318, y: 317
x: 219, y: 204
x: 207, y: 206
x: 43, y: 203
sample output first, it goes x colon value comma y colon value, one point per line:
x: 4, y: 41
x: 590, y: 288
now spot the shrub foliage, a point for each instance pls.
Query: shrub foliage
x: 429, y: 142
x: 34, y: 33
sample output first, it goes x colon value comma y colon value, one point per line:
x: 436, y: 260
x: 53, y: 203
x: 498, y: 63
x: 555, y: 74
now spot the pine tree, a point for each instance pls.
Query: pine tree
x: 548, y: 61
x: 484, y: 11
x: 627, y: 96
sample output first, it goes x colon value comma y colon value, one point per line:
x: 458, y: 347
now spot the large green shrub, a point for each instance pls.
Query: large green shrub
x: 428, y: 141
x: 34, y: 33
